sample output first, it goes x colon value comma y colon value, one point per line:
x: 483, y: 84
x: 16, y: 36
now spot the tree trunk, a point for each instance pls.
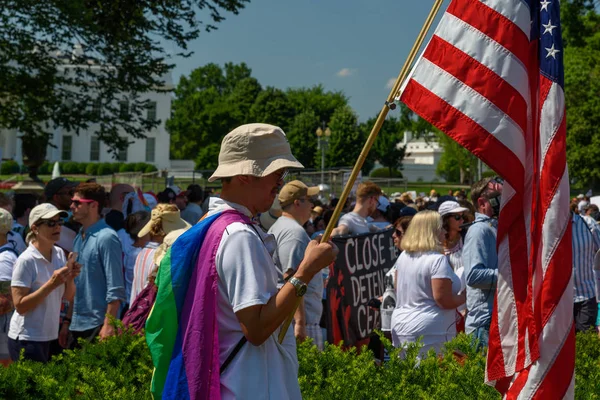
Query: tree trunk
x: 34, y: 154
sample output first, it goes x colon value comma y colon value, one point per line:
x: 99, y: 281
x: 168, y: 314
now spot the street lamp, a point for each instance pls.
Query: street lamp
x: 323, y: 135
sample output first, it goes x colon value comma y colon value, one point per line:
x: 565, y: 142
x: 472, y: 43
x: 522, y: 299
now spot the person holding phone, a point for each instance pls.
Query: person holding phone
x: 41, y: 277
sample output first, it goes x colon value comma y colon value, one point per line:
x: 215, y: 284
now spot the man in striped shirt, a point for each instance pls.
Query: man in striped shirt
x: 586, y: 242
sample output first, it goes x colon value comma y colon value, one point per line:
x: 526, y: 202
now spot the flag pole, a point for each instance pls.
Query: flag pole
x: 389, y: 104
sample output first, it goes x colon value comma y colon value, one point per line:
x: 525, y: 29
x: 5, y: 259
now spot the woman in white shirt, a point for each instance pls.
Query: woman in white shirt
x: 426, y: 287
x: 41, y: 277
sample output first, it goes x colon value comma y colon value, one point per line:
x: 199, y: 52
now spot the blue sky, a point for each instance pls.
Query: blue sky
x: 356, y: 46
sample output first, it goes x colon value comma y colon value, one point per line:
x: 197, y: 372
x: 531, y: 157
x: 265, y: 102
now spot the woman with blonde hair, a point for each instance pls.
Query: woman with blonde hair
x: 426, y: 287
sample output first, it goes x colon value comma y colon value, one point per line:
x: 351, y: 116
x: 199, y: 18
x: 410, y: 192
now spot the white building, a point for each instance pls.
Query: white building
x: 421, y: 160
x: 85, y: 147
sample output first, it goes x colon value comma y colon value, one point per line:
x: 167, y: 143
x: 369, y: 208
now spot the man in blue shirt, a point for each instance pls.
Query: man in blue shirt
x: 100, y: 287
x: 480, y: 259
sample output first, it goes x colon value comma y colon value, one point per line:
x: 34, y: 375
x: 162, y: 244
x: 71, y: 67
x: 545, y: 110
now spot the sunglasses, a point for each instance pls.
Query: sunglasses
x: 51, y: 223
x: 457, y: 217
x: 399, y: 232
x: 80, y: 201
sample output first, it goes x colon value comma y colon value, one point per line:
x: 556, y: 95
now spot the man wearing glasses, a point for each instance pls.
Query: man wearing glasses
x: 480, y: 259
x: 100, y: 287
x: 292, y: 240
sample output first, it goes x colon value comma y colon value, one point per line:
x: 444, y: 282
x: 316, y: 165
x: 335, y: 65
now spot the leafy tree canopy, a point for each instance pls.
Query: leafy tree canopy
x: 212, y: 101
x: 53, y: 53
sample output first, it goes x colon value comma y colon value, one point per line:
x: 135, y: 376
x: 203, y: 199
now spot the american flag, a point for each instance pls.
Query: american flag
x: 492, y: 79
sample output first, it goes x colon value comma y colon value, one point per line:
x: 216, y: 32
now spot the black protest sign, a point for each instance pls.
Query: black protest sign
x: 357, y: 276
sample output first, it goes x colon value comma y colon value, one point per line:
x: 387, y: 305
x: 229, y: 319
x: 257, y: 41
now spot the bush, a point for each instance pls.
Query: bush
x: 9, y: 167
x: 385, y: 173
x: 118, y: 368
x: 127, y: 167
x: 91, y: 169
x: 45, y: 168
x: 121, y: 368
x: 150, y: 168
x: 104, y: 169
x: 115, y: 167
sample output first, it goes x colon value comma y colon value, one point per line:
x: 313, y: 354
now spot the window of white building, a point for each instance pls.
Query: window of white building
x: 67, y: 148
x: 122, y: 156
x: 123, y: 109
x: 150, y: 149
x: 95, y: 149
x: 151, y: 111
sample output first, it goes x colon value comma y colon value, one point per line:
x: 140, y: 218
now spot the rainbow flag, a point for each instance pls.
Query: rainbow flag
x: 182, y: 329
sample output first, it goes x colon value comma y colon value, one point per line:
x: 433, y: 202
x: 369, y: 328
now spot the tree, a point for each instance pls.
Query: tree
x: 581, y: 36
x: 456, y: 164
x: 52, y: 53
x: 209, y: 104
x: 386, y: 149
x: 272, y: 107
x: 302, y: 138
x: 346, y: 141
x: 322, y: 103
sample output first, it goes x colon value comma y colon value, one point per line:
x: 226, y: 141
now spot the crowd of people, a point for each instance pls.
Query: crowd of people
x: 80, y: 256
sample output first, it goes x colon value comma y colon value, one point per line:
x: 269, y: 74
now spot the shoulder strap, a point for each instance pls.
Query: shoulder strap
x: 233, y: 353
x: 11, y: 249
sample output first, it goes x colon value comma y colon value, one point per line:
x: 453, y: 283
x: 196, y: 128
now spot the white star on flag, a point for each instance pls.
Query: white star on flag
x: 545, y: 4
x: 549, y: 27
x: 552, y: 52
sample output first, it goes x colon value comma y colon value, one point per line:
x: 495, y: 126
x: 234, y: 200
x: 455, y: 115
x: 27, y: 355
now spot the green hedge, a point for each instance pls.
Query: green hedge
x: 120, y: 368
x: 80, y: 168
x: 385, y: 173
x: 9, y: 167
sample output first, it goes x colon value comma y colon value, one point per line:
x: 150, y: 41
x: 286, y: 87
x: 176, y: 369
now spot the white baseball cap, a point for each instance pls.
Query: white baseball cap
x: 45, y: 211
x: 451, y: 207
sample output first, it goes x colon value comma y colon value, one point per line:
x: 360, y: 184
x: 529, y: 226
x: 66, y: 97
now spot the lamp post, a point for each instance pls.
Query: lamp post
x: 323, y: 135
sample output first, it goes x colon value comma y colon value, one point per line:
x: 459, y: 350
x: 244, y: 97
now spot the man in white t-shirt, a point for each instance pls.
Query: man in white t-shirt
x: 292, y: 240
x: 355, y: 222
x: 253, y: 162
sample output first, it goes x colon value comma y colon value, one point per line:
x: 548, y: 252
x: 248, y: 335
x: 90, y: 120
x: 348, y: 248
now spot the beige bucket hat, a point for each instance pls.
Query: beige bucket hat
x: 254, y: 149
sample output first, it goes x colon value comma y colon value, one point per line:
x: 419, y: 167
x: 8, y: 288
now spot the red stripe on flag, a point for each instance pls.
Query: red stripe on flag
x: 478, y: 77
x: 558, y: 379
x: 556, y: 279
x: 465, y: 132
x: 518, y: 385
x: 492, y: 24
x: 495, y: 366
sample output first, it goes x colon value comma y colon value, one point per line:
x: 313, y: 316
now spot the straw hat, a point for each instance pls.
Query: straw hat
x: 254, y: 149
x: 170, y: 220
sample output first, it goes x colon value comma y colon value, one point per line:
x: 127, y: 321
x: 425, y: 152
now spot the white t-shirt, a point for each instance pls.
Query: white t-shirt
x: 32, y: 270
x: 8, y: 258
x: 355, y: 223
x: 292, y: 241
x: 417, y: 314
x: 248, y: 277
